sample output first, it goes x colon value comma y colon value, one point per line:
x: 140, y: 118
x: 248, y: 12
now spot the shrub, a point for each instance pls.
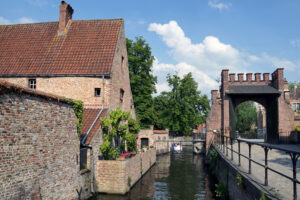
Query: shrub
x: 115, y: 132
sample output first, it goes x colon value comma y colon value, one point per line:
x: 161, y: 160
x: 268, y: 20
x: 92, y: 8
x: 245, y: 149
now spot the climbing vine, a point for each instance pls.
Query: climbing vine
x: 78, y: 110
x: 119, y: 132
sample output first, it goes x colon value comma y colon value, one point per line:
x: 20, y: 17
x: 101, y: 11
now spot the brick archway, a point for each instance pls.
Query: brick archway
x: 272, y: 93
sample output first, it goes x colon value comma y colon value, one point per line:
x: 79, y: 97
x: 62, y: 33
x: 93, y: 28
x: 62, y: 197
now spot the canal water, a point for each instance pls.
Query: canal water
x: 176, y: 175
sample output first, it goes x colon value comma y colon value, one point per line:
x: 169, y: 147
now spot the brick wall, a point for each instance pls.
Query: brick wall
x: 39, y: 149
x: 117, y: 177
x: 80, y: 88
x: 120, y: 77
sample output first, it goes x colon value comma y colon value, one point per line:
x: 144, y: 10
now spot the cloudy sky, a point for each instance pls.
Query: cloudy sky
x: 198, y: 36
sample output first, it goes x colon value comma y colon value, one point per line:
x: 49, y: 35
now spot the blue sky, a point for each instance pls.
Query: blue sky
x: 198, y: 36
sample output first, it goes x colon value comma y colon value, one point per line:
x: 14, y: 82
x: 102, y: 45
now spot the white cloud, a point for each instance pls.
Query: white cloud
x: 160, y: 87
x: 218, y: 5
x: 22, y: 20
x: 206, y: 59
x: 205, y: 83
x: 4, y: 21
x: 295, y: 43
x: 211, y: 55
x: 281, y: 63
x: 26, y: 20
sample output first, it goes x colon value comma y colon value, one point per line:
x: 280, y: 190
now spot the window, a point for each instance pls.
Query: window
x: 121, y: 98
x: 97, y: 92
x: 32, y: 83
x: 122, y: 63
x: 296, y: 107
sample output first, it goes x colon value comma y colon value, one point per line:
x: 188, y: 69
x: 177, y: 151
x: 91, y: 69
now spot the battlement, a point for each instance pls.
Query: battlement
x: 258, y: 78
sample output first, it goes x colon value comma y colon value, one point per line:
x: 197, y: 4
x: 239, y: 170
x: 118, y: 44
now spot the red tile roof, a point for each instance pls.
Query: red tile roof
x: 10, y: 87
x: 89, y: 116
x: 160, y: 131
x: 36, y: 49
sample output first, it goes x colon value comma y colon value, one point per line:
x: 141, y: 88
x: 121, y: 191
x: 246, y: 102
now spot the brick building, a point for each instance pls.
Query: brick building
x: 79, y: 59
x: 272, y: 94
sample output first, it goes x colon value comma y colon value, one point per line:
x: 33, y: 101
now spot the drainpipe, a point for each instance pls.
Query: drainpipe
x: 90, y: 146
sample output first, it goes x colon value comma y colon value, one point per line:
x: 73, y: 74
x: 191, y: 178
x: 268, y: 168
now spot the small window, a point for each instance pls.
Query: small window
x: 121, y: 97
x: 32, y: 83
x: 296, y: 107
x: 122, y: 63
x: 97, y: 92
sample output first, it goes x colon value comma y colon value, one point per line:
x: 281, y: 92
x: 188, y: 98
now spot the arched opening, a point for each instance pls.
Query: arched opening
x: 250, y: 120
x: 269, y: 109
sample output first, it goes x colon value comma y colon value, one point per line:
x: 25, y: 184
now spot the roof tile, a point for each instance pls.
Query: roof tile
x: 87, y: 48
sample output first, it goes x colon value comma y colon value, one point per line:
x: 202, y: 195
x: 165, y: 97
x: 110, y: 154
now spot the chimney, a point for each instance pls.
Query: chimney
x: 65, y: 14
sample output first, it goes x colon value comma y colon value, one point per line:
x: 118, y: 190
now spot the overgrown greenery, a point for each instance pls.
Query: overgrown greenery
x: 239, y: 179
x: 142, y: 81
x: 262, y: 197
x: 221, y: 190
x: 119, y: 132
x: 293, y: 84
x: 246, y: 116
x: 78, y: 110
x: 183, y: 108
x: 212, y: 160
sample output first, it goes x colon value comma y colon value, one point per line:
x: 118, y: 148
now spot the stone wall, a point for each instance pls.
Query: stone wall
x: 146, y: 133
x: 39, y: 152
x: 120, y: 77
x: 227, y: 173
x: 117, y: 177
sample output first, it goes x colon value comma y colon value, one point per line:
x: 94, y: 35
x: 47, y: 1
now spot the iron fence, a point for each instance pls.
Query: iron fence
x: 225, y: 144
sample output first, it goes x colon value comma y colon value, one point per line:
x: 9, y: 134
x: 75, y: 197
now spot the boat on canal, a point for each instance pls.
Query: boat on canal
x: 177, y: 147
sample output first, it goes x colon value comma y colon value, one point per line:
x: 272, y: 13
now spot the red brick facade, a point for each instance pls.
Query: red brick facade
x: 272, y: 93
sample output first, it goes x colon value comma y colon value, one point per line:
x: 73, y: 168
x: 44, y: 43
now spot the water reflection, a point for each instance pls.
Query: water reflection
x: 175, y: 176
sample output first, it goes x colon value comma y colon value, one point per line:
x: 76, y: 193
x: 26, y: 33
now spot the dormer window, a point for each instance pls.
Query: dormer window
x: 97, y: 92
x: 32, y: 83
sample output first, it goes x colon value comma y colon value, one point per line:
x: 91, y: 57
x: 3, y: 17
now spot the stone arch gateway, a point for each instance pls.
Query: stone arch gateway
x: 272, y: 93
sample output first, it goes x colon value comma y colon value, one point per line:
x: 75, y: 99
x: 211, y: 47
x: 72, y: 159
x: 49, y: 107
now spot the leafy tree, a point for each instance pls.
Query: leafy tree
x: 118, y: 128
x: 160, y: 103
x: 142, y: 81
x: 246, y: 116
x: 293, y: 84
x: 183, y: 108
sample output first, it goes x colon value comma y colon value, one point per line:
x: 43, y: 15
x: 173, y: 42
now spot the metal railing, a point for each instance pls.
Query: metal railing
x: 225, y: 144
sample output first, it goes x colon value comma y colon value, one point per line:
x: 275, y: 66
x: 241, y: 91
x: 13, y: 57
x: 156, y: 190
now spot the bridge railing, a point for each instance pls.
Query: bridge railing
x: 225, y: 145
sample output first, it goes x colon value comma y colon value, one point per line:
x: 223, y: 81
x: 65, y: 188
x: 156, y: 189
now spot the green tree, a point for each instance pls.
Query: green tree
x: 142, y: 81
x: 246, y: 116
x: 183, y: 108
x: 118, y: 128
x: 160, y: 103
x: 293, y: 84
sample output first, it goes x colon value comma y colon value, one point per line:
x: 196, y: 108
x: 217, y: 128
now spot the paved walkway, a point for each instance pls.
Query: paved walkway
x: 277, y: 160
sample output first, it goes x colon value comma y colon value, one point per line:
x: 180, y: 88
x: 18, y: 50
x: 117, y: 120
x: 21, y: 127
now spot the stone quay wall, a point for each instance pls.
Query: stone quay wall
x: 247, y: 188
x: 118, y: 176
x: 39, y: 151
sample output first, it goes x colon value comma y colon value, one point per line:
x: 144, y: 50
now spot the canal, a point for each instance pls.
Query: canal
x: 176, y: 175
